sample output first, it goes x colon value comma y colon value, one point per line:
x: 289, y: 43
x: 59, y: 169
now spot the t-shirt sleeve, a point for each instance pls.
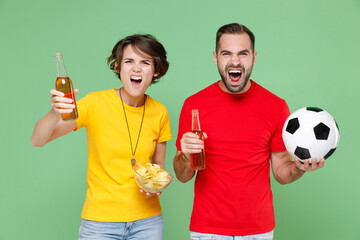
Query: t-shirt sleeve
x: 85, y: 107
x: 277, y: 143
x: 184, y: 123
x: 165, y: 128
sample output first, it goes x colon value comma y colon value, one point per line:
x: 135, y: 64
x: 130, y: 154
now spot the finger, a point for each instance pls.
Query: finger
x: 61, y: 99
x: 314, y: 164
x: 299, y: 164
x: 63, y: 105
x: 320, y: 163
x: 193, y: 148
x: 76, y: 91
x: 56, y: 93
x: 306, y: 164
x: 146, y: 193
x: 192, y: 141
x: 190, y: 151
x: 205, y: 135
x: 191, y: 144
x: 190, y: 135
x: 65, y: 110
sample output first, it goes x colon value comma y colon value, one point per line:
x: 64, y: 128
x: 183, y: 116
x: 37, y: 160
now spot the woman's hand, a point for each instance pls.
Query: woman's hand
x: 61, y: 104
x: 150, y: 194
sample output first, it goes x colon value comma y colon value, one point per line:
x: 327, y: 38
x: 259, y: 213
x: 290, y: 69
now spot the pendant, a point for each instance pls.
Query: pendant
x: 133, y: 162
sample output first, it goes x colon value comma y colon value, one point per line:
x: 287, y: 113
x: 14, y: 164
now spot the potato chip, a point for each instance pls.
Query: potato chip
x: 152, y: 177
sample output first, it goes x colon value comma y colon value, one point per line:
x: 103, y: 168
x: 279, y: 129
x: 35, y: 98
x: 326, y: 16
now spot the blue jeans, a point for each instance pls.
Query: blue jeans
x: 148, y: 228
x: 205, y: 236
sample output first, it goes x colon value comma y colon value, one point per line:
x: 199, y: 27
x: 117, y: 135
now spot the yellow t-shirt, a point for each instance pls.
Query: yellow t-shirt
x: 112, y: 194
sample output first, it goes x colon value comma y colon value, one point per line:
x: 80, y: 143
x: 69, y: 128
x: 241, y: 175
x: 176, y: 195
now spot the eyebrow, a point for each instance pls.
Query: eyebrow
x: 143, y: 60
x: 242, y: 51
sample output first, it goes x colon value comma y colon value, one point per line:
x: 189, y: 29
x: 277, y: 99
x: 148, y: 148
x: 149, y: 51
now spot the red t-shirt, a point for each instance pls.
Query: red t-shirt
x: 233, y: 194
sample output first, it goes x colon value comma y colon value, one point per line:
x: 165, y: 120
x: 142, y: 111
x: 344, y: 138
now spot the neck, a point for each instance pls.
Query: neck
x: 223, y: 87
x: 131, y: 100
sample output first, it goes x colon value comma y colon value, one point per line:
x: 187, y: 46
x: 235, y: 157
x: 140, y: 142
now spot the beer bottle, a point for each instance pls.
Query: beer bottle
x: 197, y: 159
x: 64, y: 84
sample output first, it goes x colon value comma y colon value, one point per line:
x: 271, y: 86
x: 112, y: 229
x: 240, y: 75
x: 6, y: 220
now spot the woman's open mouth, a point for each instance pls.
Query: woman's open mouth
x: 135, y: 81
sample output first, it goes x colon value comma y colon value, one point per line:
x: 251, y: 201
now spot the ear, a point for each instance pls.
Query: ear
x: 215, y: 58
x: 116, y: 67
x: 156, y: 74
x: 255, y: 56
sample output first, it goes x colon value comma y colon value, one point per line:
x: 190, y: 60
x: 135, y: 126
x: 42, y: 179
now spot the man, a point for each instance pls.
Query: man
x: 242, y: 123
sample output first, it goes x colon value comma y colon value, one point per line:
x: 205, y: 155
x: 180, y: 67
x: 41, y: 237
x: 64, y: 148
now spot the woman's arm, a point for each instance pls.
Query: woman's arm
x: 159, y: 154
x: 51, y: 126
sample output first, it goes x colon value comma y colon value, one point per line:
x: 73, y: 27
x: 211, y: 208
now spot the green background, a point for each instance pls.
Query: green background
x: 307, y: 54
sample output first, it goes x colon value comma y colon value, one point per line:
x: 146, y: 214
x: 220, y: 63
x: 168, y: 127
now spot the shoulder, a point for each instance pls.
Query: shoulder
x: 102, y: 93
x: 270, y: 103
x: 99, y: 94
x: 267, y: 95
x: 203, y: 94
x: 155, y: 105
x: 96, y: 99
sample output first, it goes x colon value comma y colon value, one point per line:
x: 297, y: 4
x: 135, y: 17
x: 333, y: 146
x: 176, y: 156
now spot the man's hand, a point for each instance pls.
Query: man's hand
x: 191, y: 143
x: 309, y: 167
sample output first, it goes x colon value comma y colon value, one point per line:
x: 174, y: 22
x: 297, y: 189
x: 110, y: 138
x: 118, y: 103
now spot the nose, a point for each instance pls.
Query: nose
x: 235, y: 59
x: 136, y: 67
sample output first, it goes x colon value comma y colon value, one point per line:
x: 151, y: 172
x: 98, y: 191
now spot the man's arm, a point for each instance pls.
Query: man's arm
x: 286, y: 171
x: 190, y: 143
x: 182, y: 167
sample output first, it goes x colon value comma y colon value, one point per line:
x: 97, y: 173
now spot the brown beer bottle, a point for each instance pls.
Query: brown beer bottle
x: 197, y: 159
x: 64, y: 84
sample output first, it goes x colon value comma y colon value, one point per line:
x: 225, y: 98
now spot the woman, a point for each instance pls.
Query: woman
x: 122, y: 125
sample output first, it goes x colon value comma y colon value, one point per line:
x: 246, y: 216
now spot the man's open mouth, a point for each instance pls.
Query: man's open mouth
x: 235, y: 75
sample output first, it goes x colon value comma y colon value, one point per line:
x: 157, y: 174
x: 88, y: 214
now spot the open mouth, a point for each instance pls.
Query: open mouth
x: 135, y: 81
x: 235, y: 75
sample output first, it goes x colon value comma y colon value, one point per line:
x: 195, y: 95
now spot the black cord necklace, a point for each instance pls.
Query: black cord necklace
x: 133, y: 160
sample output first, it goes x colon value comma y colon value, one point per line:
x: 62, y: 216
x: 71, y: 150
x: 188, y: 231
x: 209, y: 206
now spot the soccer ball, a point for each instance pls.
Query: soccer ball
x: 310, y: 132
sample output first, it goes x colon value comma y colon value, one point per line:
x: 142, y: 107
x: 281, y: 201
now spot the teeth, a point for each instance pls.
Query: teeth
x: 235, y: 71
x: 136, y: 78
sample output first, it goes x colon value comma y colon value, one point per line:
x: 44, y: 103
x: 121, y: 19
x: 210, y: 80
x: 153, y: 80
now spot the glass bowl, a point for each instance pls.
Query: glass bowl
x: 151, y: 178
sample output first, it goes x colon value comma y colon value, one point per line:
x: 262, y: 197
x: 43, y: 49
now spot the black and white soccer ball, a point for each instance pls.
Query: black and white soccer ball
x: 311, y: 132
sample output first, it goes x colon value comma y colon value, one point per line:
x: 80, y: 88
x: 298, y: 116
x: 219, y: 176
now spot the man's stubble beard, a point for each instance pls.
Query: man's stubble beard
x: 242, y: 85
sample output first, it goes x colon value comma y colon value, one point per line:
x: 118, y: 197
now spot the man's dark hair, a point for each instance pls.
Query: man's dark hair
x: 234, y: 28
x: 140, y: 42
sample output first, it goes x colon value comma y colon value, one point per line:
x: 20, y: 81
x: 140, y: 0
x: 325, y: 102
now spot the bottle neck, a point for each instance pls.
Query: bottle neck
x: 60, y: 66
x: 195, y: 126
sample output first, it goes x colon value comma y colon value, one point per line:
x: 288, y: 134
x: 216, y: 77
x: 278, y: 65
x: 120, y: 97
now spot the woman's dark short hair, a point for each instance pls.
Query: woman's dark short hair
x: 145, y: 43
x: 234, y: 28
